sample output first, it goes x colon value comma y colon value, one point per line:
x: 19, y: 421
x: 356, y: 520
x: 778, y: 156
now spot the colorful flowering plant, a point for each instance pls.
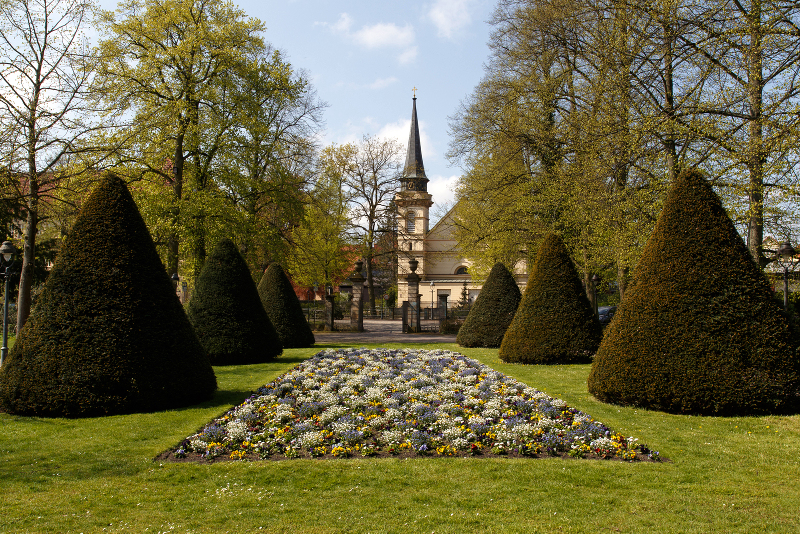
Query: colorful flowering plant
x: 382, y: 402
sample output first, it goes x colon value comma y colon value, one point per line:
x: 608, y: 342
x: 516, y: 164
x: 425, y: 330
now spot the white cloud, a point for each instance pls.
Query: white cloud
x: 449, y: 16
x: 381, y: 35
x: 381, y: 83
x: 344, y: 23
x: 443, y: 189
x: 401, y: 130
x: 408, y: 55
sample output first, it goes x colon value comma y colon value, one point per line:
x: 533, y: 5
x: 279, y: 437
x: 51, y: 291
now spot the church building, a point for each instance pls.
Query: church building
x: 441, y: 267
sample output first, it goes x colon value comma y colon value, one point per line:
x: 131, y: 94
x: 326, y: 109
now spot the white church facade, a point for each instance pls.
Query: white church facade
x: 440, y: 265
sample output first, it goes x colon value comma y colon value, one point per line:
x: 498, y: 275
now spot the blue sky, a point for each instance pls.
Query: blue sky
x: 364, y: 58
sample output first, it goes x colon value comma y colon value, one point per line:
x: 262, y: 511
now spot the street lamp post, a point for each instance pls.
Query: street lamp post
x: 785, y: 258
x: 8, y: 256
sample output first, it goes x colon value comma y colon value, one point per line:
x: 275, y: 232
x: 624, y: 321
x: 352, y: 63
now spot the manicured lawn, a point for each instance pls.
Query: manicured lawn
x: 95, y: 475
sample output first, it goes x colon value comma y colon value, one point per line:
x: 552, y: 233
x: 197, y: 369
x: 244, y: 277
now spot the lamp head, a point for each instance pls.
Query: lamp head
x: 8, y: 251
x: 786, y: 252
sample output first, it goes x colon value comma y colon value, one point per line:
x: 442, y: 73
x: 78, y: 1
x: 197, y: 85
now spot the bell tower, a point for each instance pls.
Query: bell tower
x: 413, y: 204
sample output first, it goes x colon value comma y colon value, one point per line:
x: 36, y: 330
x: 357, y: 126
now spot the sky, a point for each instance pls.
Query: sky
x: 365, y: 57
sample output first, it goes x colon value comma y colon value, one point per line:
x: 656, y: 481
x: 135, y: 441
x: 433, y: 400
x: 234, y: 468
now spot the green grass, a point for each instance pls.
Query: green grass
x: 97, y: 475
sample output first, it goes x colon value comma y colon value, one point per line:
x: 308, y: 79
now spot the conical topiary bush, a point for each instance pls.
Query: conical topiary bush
x: 283, y: 308
x: 554, y: 322
x: 492, y: 312
x: 698, y: 331
x: 108, y: 335
x: 227, y: 313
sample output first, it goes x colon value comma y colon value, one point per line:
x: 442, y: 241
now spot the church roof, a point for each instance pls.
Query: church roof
x: 414, y: 167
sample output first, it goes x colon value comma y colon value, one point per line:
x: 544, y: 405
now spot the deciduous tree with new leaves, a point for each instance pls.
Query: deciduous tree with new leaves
x: 213, y: 121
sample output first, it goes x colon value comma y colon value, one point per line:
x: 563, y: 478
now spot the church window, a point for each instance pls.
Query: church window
x: 461, y: 270
x: 411, y: 222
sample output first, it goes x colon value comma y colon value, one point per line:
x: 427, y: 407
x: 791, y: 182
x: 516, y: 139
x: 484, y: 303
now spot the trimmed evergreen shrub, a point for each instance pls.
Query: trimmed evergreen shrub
x: 283, y: 308
x: 554, y: 322
x: 227, y: 313
x: 698, y: 330
x: 492, y: 311
x: 108, y: 335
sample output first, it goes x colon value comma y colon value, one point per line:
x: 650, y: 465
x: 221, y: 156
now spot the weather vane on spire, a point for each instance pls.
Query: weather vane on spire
x: 414, y: 91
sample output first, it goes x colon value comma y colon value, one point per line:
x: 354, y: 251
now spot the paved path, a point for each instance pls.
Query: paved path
x: 382, y: 331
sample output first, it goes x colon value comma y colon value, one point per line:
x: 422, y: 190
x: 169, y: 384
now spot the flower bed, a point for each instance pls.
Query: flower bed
x: 381, y: 402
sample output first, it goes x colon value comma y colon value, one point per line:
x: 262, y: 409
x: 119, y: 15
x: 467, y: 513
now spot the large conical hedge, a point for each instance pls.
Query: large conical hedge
x: 698, y: 331
x: 554, y: 322
x: 227, y: 313
x: 493, y: 310
x: 108, y: 334
x: 283, y: 308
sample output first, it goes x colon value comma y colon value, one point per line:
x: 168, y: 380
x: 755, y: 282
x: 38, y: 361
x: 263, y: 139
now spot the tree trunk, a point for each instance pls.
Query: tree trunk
x: 370, y: 282
x: 755, y: 156
x: 28, y: 256
x: 173, y: 241
x: 669, y: 98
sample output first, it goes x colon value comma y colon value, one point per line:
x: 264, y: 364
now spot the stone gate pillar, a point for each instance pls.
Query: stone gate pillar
x: 413, y: 292
x: 357, y: 307
x: 330, y: 324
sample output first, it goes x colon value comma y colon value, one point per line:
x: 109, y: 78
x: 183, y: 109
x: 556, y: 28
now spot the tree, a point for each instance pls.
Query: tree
x: 322, y: 243
x: 699, y: 331
x: 270, y: 162
x: 283, y: 308
x: 227, y: 314
x: 216, y: 123
x: 108, y: 335
x: 589, y: 109
x: 370, y: 171
x: 554, y: 322
x: 493, y: 311
x: 45, y: 108
x: 754, y: 49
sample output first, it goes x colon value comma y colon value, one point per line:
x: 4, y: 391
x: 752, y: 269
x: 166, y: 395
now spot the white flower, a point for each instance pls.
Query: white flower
x: 237, y: 431
x: 547, y: 423
x: 524, y: 432
x: 333, y: 413
x: 604, y: 444
x: 243, y: 410
x: 460, y: 443
x: 392, y: 437
x: 198, y: 445
x: 309, y: 440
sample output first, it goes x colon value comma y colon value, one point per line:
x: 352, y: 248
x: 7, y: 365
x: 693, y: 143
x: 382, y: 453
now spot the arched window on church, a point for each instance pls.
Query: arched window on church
x: 411, y: 222
x: 461, y: 270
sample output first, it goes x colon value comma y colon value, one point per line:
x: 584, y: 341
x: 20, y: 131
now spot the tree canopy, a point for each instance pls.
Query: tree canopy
x: 214, y: 123
x: 589, y: 108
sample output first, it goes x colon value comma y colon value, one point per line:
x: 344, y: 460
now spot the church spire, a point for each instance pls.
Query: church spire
x: 414, y: 170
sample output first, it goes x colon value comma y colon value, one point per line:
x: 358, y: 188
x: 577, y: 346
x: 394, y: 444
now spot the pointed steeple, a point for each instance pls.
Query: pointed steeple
x: 414, y: 170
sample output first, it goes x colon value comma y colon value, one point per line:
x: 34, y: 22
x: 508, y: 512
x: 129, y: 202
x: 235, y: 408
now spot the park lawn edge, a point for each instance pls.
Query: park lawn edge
x: 94, y: 475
